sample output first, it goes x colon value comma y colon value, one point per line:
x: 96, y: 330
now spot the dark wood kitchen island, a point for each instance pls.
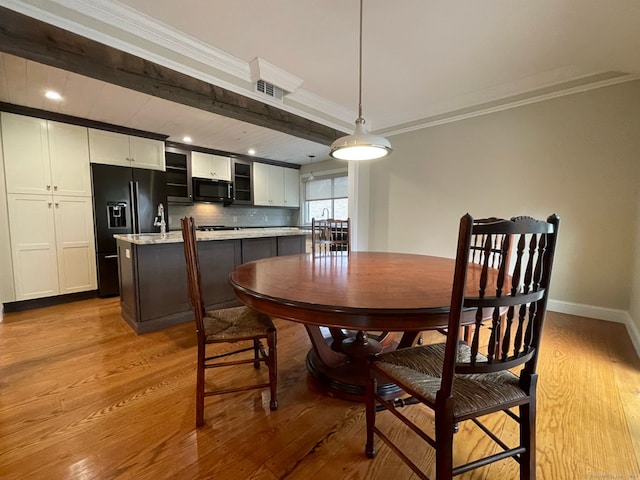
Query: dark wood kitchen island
x: 153, y: 279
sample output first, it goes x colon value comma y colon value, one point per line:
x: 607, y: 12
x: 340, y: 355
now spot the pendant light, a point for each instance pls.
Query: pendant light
x: 311, y: 178
x: 361, y: 145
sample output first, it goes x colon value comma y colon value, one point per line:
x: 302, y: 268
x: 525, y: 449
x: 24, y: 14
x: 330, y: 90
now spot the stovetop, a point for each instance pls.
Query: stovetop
x: 215, y: 228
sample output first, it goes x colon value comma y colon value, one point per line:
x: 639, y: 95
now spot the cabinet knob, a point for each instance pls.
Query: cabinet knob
x: 48, y: 187
x: 49, y: 203
x: 57, y: 205
x: 55, y: 187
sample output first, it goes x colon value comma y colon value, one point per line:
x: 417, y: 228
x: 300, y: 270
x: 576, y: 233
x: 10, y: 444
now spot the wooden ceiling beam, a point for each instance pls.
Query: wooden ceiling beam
x: 41, y: 42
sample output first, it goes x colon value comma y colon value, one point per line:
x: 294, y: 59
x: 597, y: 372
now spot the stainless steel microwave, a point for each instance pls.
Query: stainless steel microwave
x: 206, y: 190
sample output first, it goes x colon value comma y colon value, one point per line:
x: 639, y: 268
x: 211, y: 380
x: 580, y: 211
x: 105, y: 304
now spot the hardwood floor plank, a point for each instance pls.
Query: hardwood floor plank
x: 83, y: 397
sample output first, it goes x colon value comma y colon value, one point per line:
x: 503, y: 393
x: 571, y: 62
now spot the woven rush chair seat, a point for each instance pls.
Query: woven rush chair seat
x: 235, y: 322
x: 421, y: 368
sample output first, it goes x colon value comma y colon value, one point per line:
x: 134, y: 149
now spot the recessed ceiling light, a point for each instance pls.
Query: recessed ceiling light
x: 52, y: 95
x: 187, y: 139
x: 251, y: 151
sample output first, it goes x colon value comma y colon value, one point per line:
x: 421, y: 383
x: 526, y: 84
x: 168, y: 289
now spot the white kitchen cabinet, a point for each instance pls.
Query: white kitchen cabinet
x: 214, y: 167
x: 275, y: 186
x: 75, y: 246
x: 44, y: 157
x: 52, y: 244
x: 125, y: 150
x: 262, y: 184
x: 291, y: 187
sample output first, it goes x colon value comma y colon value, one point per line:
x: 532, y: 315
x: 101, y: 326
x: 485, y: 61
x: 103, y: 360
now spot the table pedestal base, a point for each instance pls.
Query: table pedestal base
x: 346, y: 381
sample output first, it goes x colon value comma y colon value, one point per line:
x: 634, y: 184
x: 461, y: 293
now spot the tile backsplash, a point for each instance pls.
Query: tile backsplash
x: 232, y: 216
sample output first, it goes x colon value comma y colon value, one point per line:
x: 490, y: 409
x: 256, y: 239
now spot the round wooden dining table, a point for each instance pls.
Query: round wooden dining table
x: 348, y: 304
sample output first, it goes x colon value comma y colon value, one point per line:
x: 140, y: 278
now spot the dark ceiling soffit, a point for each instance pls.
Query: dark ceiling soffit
x: 41, y: 42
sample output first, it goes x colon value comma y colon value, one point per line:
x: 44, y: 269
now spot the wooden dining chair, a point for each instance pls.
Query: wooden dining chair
x: 330, y: 236
x: 228, y: 325
x: 462, y: 381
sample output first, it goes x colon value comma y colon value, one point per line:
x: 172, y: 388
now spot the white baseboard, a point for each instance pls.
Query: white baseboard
x: 600, y: 313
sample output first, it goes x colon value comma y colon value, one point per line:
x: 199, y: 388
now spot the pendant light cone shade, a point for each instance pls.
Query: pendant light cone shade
x: 360, y: 145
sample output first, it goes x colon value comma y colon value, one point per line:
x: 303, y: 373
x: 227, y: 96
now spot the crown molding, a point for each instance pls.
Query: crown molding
x: 120, y: 21
x: 336, y: 116
x: 133, y: 32
x: 505, y: 104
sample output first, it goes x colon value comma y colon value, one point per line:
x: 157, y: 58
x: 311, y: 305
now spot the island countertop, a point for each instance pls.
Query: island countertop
x: 176, y: 236
x: 152, y: 276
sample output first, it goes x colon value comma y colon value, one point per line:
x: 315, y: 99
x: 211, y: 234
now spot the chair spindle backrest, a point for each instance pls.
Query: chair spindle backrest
x: 486, y: 248
x: 519, y: 300
x: 330, y: 236
x: 193, y: 271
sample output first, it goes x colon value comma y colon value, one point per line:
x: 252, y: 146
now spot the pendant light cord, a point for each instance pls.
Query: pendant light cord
x: 360, y: 69
x: 361, y: 145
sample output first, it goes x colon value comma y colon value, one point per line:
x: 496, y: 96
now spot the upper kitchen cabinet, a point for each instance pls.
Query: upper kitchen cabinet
x: 179, y: 187
x: 268, y: 185
x: 242, y: 184
x: 214, y: 167
x: 125, y: 150
x: 275, y: 186
x: 291, y: 187
x: 44, y: 157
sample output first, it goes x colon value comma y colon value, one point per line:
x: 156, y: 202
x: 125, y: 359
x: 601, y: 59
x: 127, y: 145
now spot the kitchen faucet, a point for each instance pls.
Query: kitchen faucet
x: 160, y: 222
x: 327, y: 212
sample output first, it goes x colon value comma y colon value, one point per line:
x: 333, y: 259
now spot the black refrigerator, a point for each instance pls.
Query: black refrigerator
x: 125, y: 200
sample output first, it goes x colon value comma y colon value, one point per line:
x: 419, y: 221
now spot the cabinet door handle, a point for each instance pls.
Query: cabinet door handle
x: 48, y: 187
x: 55, y: 187
x: 57, y: 205
x: 49, y: 203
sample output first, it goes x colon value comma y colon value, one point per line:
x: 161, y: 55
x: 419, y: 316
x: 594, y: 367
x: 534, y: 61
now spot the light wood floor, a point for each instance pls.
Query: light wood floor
x: 83, y: 397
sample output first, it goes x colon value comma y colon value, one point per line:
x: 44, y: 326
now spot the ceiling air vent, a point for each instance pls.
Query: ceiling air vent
x: 270, y: 90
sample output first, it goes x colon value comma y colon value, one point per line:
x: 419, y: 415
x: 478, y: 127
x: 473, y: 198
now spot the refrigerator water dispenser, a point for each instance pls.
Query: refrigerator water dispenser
x: 116, y: 214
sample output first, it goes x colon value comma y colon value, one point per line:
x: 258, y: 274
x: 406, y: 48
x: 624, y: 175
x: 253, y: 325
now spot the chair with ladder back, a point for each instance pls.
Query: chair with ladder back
x: 330, y: 236
x: 461, y: 380
x: 227, y: 325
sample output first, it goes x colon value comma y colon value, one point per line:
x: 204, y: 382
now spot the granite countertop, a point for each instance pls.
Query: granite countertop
x: 176, y: 236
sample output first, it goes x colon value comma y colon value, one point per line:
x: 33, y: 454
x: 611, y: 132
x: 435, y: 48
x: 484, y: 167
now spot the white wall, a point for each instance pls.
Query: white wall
x: 6, y: 270
x: 634, y: 309
x: 577, y: 156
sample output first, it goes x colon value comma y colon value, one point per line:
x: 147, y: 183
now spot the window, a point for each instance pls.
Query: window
x: 327, y: 192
